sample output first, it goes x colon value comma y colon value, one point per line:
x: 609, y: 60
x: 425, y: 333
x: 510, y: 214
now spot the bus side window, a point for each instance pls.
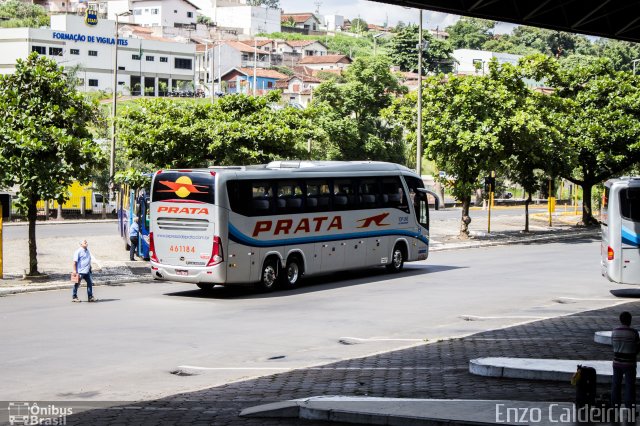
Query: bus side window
x: 369, y: 192
x: 290, y: 194
x: 261, y: 198
x: 344, y: 195
x: 419, y: 200
x: 393, y: 195
x: 630, y: 204
x: 318, y: 195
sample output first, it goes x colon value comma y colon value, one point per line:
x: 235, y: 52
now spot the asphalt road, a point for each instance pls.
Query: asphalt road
x: 126, y: 346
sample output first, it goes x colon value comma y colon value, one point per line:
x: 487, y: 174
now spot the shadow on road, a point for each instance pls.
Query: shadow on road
x: 318, y: 283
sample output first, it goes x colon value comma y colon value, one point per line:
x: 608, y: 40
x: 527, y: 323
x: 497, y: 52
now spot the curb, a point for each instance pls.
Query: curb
x: 561, y: 235
x: 602, y: 337
x: 117, y: 282
x: 60, y: 222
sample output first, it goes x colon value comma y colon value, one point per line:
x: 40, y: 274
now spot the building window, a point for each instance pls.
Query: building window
x: 175, y: 11
x: 75, y: 51
x: 55, y: 51
x: 183, y: 64
x: 189, y: 14
x: 155, y: 11
x: 121, y: 68
x: 164, y: 59
x: 40, y: 49
x: 93, y: 82
x: 135, y: 57
x: 93, y: 53
x: 150, y: 58
x: 137, y: 11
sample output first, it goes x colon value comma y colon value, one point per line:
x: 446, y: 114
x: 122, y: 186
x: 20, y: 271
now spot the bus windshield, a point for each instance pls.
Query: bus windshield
x: 183, y: 186
x: 630, y: 204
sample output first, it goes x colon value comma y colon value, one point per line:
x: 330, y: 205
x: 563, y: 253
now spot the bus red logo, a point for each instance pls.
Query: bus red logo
x: 366, y: 222
x: 183, y: 186
x: 185, y: 210
x: 285, y: 226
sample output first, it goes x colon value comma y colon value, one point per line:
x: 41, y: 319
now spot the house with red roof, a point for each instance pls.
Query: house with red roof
x: 241, y: 80
x: 298, y: 88
x: 326, y: 62
x: 306, y: 21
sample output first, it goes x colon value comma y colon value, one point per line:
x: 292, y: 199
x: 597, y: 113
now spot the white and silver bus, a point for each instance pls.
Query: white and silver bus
x: 620, y: 219
x: 270, y: 225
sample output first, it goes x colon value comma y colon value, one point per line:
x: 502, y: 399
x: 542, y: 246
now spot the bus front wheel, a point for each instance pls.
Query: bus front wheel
x: 397, y: 259
x: 269, y: 275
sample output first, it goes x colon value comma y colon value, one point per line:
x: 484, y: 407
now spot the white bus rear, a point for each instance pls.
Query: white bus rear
x: 620, y: 219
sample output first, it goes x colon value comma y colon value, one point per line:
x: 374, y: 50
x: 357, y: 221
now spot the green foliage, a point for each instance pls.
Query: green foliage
x: 273, y: 4
x: 22, y: 14
x: 283, y: 70
x: 45, y: 143
x: 470, y: 33
x: 359, y: 26
x: 203, y: 19
x: 349, y: 113
x: 134, y: 178
x: 621, y: 53
x: 237, y: 129
x: 343, y: 44
x: 403, y: 49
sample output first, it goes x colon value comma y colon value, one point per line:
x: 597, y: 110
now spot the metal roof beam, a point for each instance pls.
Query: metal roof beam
x: 585, y: 19
x: 630, y: 26
x: 535, y: 11
x: 604, y: 15
x: 482, y: 3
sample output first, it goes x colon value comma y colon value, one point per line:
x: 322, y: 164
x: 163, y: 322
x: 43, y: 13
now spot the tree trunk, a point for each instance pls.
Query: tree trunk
x: 587, y: 213
x: 104, y: 210
x: 466, y: 219
x: 526, y: 213
x: 32, y: 214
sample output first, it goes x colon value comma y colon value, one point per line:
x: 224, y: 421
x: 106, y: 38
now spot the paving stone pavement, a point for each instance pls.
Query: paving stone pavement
x: 434, y: 370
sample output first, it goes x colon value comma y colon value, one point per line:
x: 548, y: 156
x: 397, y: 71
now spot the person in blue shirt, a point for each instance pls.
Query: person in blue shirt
x: 82, y: 266
x: 134, y: 232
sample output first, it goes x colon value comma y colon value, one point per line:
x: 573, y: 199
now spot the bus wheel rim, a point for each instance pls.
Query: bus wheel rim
x: 292, y: 273
x: 269, y: 275
x: 397, y: 258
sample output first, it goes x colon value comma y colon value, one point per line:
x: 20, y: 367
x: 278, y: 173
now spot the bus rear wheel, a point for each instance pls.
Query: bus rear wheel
x: 269, y: 275
x: 397, y: 259
x: 292, y: 272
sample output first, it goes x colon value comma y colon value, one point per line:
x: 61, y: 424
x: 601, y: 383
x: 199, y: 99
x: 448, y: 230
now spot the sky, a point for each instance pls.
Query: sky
x: 371, y: 12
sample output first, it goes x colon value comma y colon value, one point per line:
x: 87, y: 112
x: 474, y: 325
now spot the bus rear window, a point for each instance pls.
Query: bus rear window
x: 180, y: 186
x: 630, y: 204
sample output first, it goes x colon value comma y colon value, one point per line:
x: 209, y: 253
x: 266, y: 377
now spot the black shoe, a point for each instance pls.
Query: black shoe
x: 92, y: 299
x: 75, y: 299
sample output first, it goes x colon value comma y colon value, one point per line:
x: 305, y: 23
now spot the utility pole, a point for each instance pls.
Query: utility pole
x: 255, y: 63
x: 419, y: 127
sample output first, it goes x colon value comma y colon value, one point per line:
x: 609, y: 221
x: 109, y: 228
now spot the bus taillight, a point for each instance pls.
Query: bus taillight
x: 609, y: 253
x: 216, y: 252
x: 152, y: 248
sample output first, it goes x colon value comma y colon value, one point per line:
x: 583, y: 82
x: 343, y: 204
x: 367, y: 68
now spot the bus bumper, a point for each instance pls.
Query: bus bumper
x: 213, y: 274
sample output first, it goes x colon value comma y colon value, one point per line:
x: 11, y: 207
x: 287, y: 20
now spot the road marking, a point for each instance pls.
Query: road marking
x: 478, y: 318
x: 359, y: 339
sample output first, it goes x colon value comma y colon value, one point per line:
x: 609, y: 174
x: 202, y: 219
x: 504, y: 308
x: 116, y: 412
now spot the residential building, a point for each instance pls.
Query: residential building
x: 241, y: 80
x: 250, y: 20
x: 235, y: 54
x: 305, y: 21
x: 476, y: 62
x: 331, y: 23
x: 63, y: 6
x: 156, y: 13
x: 298, y: 88
x: 326, y: 62
x: 144, y: 66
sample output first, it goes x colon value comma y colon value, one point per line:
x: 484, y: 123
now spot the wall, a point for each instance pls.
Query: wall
x: 251, y: 19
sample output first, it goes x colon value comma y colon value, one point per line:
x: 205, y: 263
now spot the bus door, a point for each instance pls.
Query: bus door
x: 143, y: 225
x: 630, y: 224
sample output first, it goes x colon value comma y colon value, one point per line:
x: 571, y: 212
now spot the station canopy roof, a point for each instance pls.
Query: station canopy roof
x: 617, y: 19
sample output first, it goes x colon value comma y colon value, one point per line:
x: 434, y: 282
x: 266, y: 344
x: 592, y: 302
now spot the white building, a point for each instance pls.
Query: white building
x: 148, y: 66
x: 476, y: 62
x: 332, y: 23
x: 251, y: 20
x: 155, y: 13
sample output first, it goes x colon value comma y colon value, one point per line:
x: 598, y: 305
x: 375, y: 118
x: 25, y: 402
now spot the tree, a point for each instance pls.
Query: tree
x: 22, y: 14
x: 237, y: 129
x: 470, y: 33
x: 272, y: 4
x: 349, y: 113
x: 601, y: 128
x: 621, y: 53
x: 359, y: 25
x: 45, y: 143
x: 403, y: 49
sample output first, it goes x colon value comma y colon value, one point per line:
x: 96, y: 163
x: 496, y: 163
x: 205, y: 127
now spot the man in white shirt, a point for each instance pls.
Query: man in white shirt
x: 82, y: 266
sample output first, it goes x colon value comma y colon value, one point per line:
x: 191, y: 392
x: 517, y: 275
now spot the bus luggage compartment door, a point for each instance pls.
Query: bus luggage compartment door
x: 631, y: 265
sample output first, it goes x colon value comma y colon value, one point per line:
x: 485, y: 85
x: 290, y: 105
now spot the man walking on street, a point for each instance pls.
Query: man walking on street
x: 626, y: 345
x: 82, y: 266
x: 134, y: 232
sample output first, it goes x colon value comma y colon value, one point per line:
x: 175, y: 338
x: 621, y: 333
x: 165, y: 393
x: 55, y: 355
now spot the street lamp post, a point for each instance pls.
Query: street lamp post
x: 112, y: 162
x: 419, y: 126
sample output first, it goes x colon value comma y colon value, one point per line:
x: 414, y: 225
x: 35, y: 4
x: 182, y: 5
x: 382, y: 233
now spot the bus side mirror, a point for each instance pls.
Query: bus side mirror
x: 426, y: 192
